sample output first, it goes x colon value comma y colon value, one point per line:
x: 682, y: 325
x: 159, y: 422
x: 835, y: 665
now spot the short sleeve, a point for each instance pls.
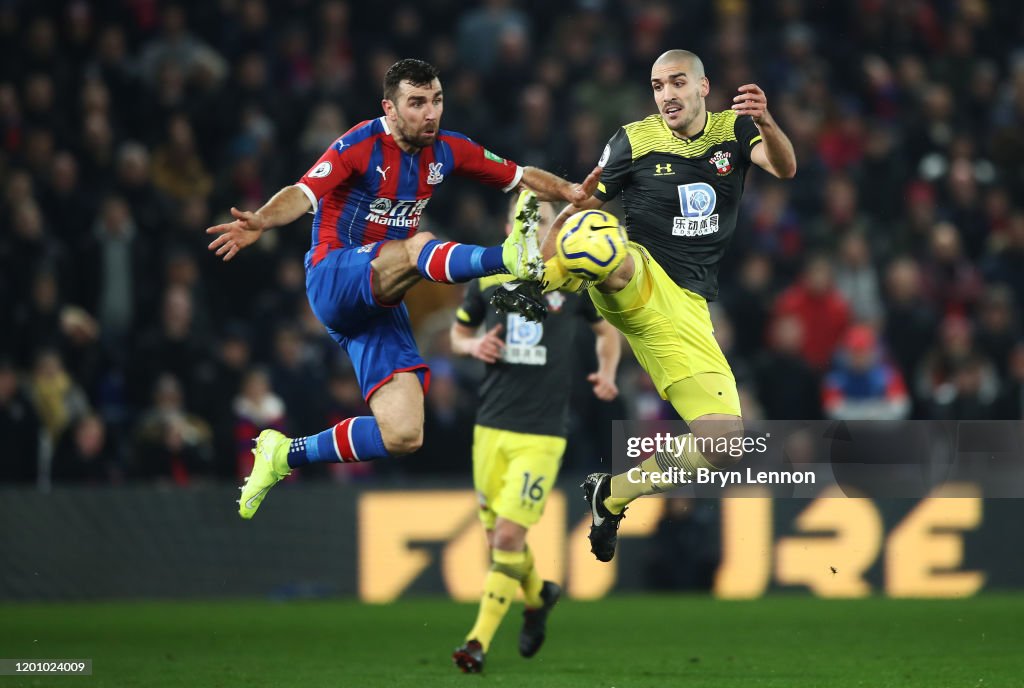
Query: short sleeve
x: 473, y: 309
x: 333, y: 168
x: 747, y: 134
x: 615, y: 162
x: 474, y: 161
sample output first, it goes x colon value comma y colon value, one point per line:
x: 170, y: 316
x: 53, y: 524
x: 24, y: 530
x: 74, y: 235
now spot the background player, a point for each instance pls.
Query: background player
x: 681, y: 174
x: 519, y: 439
x: 368, y: 192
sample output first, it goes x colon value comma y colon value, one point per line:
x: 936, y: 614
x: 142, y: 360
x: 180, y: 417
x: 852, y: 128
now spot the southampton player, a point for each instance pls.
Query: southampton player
x: 681, y: 175
x: 519, y: 439
x: 367, y: 193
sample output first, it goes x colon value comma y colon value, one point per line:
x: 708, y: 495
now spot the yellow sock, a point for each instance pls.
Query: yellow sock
x: 532, y: 583
x: 624, y: 491
x: 499, y: 588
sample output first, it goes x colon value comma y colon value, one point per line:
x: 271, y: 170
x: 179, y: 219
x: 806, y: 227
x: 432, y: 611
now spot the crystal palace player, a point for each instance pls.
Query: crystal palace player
x: 368, y: 192
x: 681, y: 174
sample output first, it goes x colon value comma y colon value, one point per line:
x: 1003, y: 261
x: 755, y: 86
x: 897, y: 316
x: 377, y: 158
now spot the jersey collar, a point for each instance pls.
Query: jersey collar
x: 707, y: 123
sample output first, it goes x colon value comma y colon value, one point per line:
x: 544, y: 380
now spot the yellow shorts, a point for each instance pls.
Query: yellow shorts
x: 513, y: 472
x: 669, y: 329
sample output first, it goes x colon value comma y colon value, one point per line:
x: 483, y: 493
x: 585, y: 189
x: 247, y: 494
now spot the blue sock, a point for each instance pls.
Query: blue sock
x: 451, y: 263
x: 353, y: 439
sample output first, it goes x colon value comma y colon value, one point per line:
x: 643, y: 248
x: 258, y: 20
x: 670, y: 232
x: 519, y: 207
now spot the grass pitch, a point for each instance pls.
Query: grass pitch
x: 784, y: 642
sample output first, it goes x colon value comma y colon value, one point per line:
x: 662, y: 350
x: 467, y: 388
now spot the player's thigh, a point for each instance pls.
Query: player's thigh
x: 708, y: 402
x: 381, y: 347
x: 530, y: 475
x: 394, y: 268
x: 338, y: 288
x: 669, y: 328
x: 489, y: 464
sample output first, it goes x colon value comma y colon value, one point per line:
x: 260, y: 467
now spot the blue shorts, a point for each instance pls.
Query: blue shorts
x: 378, y: 337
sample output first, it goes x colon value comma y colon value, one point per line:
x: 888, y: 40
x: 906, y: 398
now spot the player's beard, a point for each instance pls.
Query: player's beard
x: 417, y: 138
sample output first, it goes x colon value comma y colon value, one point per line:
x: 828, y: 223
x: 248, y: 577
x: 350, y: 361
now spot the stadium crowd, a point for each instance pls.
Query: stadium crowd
x: 884, y: 281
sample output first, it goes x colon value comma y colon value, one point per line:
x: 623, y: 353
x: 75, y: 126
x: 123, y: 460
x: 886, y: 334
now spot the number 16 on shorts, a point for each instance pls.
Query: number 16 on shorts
x: 533, y: 491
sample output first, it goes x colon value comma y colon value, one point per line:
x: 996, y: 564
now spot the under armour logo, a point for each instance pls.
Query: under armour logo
x: 384, y: 172
x: 662, y: 170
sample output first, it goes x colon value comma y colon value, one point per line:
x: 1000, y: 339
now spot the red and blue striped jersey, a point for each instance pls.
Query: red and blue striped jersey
x: 365, y: 188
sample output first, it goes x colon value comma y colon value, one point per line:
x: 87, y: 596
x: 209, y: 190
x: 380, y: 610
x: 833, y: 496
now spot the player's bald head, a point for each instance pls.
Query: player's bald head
x: 695, y: 68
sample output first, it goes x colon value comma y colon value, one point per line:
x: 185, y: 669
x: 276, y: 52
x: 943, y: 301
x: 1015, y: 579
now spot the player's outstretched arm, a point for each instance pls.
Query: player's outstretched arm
x: 287, y: 205
x: 776, y: 154
x: 608, y: 344
x: 551, y: 187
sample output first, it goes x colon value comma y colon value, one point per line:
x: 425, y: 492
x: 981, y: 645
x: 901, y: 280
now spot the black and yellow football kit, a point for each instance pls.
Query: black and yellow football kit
x: 518, y: 442
x: 681, y: 199
x: 523, y: 415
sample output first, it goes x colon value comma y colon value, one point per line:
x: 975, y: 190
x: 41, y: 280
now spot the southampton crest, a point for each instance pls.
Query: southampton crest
x: 721, y: 162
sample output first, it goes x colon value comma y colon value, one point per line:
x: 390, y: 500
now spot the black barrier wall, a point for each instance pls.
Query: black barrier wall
x: 321, y: 540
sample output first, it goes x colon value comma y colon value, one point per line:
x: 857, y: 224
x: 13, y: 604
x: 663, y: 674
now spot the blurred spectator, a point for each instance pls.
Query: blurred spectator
x: 910, y: 321
x: 967, y: 396
x: 84, y: 455
x: 448, y: 423
x: 176, y: 46
x: 955, y: 348
x: 171, y: 442
x: 787, y: 387
x: 114, y: 279
x: 256, y: 408
x: 748, y: 303
x: 218, y: 381
x: 1010, y: 404
x: 612, y: 99
x: 479, y: 32
x: 150, y: 209
x: 68, y: 206
x: 821, y: 309
x: 862, y: 386
x: 841, y: 216
x: 950, y: 279
x: 20, y: 428
x: 171, y: 346
x: 775, y: 230
x: 178, y: 170
x: 998, y: 327
x: 857, y: 280
x: 1007, y: 263
x: 298, y: 381
x: 57, y: 398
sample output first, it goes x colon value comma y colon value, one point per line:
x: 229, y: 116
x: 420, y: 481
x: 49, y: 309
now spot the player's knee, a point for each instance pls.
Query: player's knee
x: 402, y: 439
x: 725, y: 434
x: 414, y: 245
x: 508, y: 536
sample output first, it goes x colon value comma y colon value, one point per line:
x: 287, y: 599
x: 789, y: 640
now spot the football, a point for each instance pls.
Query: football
x: 591, y: 244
